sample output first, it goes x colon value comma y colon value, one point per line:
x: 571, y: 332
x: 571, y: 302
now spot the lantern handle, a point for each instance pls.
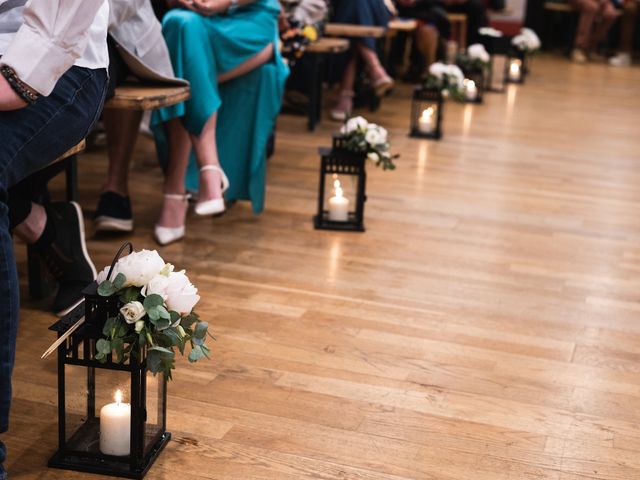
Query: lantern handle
x: 117, y: 257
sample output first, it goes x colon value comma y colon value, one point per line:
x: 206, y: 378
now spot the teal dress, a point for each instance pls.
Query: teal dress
x: 202, y: 48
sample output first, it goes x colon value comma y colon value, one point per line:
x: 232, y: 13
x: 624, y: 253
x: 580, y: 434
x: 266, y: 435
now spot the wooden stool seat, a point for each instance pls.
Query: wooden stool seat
x: 328, y: 45
x: 147, y: 97
x: 72, y: 151
x: 558, y: 7
x: 351, y: 30
x: 402, y: 25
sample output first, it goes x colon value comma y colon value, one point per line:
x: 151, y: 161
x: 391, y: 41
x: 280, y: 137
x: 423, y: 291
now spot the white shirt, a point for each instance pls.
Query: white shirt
x: 42, y: 39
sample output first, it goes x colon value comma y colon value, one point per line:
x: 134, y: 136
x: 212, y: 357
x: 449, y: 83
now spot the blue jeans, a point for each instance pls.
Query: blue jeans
x: 30, y: 139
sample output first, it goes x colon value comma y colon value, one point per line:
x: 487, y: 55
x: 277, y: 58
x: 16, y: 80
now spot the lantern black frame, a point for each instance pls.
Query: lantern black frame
x: 79, y: 349
x: 477, y: 75
x: 498, y: 48
x: 341, y: 160
x: 421, y: 95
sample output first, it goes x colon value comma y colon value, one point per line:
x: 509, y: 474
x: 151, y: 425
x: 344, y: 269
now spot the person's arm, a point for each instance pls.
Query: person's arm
x: 54, y: 35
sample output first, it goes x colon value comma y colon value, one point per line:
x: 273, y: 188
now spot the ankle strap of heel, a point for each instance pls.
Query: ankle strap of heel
x: 177, y: 196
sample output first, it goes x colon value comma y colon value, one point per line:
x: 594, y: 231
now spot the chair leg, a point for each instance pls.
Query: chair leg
x: 40, y: 284
x: 71, y: 173
x: 315, y: 100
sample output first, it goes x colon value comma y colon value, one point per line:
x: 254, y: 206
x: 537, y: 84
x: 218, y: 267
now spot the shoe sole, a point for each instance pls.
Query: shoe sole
x: 111, y: 224
x: 83, y: 243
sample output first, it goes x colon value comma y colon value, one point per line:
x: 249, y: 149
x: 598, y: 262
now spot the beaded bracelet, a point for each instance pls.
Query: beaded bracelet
x: 18, y: 86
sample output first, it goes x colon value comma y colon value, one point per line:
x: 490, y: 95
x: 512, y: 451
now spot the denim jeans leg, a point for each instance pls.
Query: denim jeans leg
x: 31, y: 138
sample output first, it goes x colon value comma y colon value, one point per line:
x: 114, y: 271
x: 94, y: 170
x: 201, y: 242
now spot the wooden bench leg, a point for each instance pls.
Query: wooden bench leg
x: 315, y: 98
x: 71, y: 173
x: 40, y: 283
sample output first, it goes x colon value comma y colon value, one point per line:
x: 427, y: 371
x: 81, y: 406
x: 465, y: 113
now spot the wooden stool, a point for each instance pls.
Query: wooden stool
x: 560, y: 7
x: 459, y: 28
x: 147, y: 97
x: 319, y: 51
x: 395, y: 26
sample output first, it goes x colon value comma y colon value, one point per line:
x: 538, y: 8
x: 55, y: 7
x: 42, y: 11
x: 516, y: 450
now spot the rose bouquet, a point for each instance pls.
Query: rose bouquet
x: 369, y: 138
x: 475, y: 58
x: 447, y: 78
x: 527, y: 41
x: 156, y: 314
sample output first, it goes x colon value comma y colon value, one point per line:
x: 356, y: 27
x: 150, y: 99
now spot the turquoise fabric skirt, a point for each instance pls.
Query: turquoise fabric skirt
x: 202, y: 48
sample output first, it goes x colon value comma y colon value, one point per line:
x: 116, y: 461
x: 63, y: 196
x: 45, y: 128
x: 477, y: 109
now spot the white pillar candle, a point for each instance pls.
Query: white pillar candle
x: 425, y: 122
x: 470, y: 90
x: 515, y: 71
x: 338, y: 205
x: 115, y: 427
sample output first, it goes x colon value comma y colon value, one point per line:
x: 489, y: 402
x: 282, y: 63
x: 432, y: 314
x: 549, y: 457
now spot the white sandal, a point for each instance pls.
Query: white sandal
x: 215, y: 205
x: 166, y: 235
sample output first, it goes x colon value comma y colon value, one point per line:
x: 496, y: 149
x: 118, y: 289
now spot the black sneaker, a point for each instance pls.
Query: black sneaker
x: 113, y: 213
x: 67, y: 258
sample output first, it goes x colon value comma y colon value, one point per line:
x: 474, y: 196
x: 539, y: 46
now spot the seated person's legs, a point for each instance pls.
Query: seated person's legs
x: 588, y: 10
x: 31, y: 138
x: 627, y: 30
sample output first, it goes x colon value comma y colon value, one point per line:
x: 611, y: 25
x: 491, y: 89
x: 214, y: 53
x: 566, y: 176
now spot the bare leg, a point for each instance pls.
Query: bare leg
x: 608, y: 16
x: 174, y: 211
x: 180, y: 141
x: 122, y: 130
x: 371, y: 60
x: 344, y: 103
x: 427, y: 43
x: 30, y: 230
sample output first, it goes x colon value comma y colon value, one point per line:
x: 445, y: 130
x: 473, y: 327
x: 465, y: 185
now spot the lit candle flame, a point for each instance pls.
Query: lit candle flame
x: 470, y: 84
x: 118, y: 397
x: 515, y: 68
x: 427, y: 114
x: 338, y: 192
x: 336, y: 184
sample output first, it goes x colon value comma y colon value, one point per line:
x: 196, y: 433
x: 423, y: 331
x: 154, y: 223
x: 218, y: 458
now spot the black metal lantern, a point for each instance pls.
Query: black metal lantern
x: 427, y: 109
x: 517, y: 67
x: 473, y: 85
x: 341, y: 192
x: 98, y: 432
x: 498, y: 48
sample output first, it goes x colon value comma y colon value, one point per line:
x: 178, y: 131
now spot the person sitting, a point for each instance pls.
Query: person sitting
x: 433, y: 24
x: 212, y: 44
x: 627, y: 29
x: 596, y: 18
x: 52, y: 83
x: 136, y: 48
x: 360, y: 12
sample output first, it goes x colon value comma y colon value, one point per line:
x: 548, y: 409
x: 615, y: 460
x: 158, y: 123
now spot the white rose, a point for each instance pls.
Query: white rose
x: 532, y: 38
x: 477, y: 51
x: 102, y: 276
x: 132, y: 312
x: 373, y: 137
x: 489, y: 31
x: 181, y: 295
x: 374, y: 157
x: 157, y: 285
x: 355, y: 123
x: 140, y: 267
x: 437, y: 69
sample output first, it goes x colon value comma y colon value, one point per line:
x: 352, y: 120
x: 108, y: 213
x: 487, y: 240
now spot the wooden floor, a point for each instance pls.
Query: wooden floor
x: 485, y: 327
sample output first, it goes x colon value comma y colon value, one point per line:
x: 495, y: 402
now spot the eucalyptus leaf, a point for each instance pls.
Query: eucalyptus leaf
x: 106, y: 289
x: 153, y: 300
x: 118, y: 282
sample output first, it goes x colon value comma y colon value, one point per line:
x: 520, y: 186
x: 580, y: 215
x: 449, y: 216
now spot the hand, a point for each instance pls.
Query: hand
x: 9, y: 100
x: 206, y: 7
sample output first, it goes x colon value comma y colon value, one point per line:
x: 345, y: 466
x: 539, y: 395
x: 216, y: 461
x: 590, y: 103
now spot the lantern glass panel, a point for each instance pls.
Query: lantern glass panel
x: 87, y: 391
x: 498, y: 67
x: 340, y: 195
x: 155, y: 423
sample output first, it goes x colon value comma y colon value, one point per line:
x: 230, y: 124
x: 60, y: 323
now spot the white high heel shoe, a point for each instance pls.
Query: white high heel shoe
x: 215, y: 205
x: 166, y: 235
